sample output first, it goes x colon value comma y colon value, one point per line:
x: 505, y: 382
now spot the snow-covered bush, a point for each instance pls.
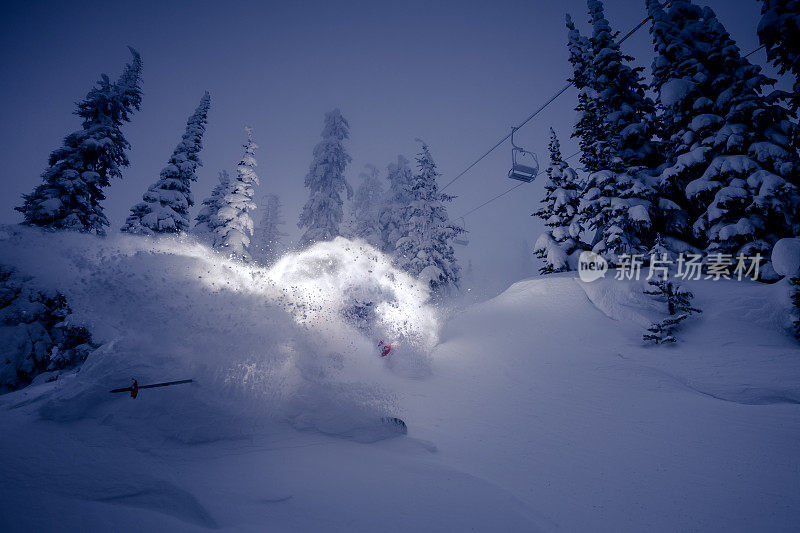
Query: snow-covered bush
x: 35, y: 331
x: 679, y: 308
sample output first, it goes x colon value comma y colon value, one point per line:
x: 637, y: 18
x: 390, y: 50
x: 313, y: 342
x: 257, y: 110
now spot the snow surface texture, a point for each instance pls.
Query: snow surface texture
x: 539, y: 410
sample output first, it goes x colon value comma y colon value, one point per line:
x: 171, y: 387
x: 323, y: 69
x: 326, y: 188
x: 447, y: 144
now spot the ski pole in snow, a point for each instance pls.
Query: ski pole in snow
x: 134, y: 388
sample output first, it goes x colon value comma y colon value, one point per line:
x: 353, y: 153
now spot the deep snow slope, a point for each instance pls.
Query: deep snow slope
x: 537, y: 410
x: 541, y: 392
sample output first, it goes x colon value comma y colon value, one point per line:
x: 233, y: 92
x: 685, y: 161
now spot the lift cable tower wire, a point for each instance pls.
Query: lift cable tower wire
x: 517, y: 186
x: 532, y: 115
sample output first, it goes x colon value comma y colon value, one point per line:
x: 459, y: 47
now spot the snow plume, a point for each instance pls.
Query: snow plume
x: 340, y: 286
x: 283, y: 344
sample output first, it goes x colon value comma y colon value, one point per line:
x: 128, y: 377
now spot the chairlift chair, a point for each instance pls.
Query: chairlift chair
x: 524, y: 164
x: 461, y: 238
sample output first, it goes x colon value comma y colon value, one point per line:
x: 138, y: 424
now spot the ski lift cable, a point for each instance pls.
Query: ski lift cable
x: 754, y: 51
x: 504, y: 139
x: 517, y: 186
x: 532, y: 115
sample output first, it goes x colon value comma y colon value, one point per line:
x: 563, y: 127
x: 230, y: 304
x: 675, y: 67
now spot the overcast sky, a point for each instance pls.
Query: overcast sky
x: 457, y: 74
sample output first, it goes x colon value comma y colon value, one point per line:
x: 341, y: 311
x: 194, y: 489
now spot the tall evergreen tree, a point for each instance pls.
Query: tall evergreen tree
x: 233, y: 225
x: 368, y: 202
x: 729, y: 148
x: 589, y: 126
x: 322, y: 214
x: 392, y: 217
x: 206, y: 220
x: 71, y: 192
x: 618, y: 204
x: 267, y: 242
x: 165, y: 205
x: 426, y: 249
x: 779, y: 32
x: 559, y: 207
x: 628, y: 114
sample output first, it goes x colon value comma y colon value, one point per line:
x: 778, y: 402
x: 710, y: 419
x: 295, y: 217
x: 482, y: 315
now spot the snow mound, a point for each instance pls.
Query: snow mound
x: 261, y: 344
x: 786, y: 257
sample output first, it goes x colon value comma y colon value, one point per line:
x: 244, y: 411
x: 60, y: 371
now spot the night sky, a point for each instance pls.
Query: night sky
x: 457, y: 74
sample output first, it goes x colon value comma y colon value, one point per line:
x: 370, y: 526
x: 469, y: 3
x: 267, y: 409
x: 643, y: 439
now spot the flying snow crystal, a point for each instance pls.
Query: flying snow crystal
x: 337, y: 283
x: 347, y: 293
x: 266, y: 243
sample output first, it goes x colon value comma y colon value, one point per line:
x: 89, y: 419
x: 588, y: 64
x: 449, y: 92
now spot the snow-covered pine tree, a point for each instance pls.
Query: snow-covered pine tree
x: 679, y: 308
x: 559, y: 207
x: 618, y: 203
x: 617, y: 207
x: 206, y: 219
x: 426, y: 249
x: 322, y: 214
x: 779, y: 32
x: 392, y: 217
x: 72, y: 190
x: 267, y: 242
x: 165, y: 205
x: 619, y: 93
x: 588, y: 128
x: 660, y: 250
x: 232, y: 223
x: 368, y: 202
x: 677, y: 299
x: 729, y: 147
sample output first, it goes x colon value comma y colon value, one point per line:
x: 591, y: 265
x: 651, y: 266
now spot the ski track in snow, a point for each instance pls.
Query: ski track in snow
x: 539, y: 410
